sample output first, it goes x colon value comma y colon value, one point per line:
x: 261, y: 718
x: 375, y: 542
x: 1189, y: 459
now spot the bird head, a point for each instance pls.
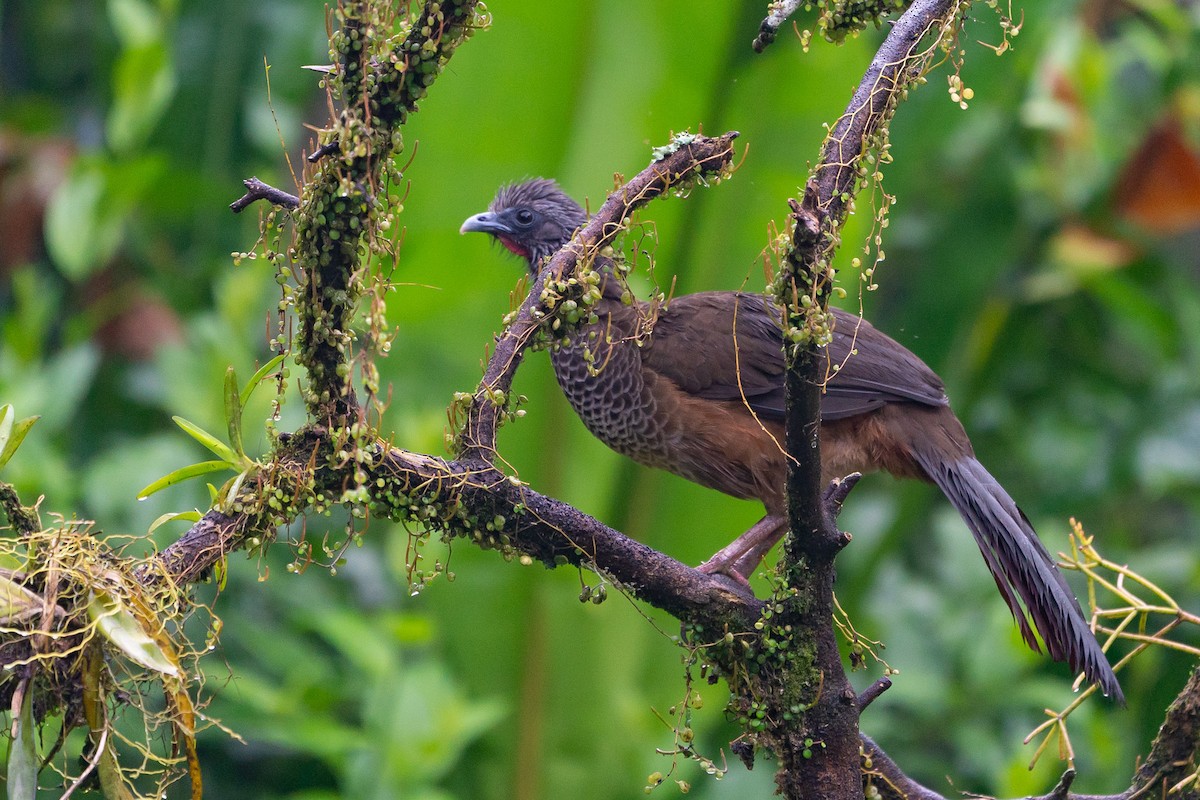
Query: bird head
x: 532, y: 219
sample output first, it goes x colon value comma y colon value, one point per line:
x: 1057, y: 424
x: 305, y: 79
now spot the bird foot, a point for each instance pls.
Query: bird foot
x: 741, y: 557
x: 726, y: 567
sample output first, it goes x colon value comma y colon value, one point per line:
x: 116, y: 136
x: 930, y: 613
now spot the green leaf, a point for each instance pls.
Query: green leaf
x: 59, y: 384
x: 118, y: 624
x: 219, y: 448
x: 33, y: 311
x: 82, y: 232
x: 86, y: 216
x: 136, y: 22
x: 257, y: 378
x: 235, y: 485
x: 7, y: 415
x: 143, y: 85
x: 112, y: 783
x: 189, y: 516
x: 143, y: 81
x: 182, y: 474
x: 233, y: 412
x: 23, y: 759
x: 12, y: 433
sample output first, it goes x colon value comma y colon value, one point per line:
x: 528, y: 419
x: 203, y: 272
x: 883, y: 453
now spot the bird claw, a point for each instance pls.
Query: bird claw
x: 725, y: 567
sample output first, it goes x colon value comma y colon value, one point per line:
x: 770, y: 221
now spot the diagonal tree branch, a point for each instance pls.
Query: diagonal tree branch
x: 257, y: 190
x: 481, y: 505
x: 777, y: 14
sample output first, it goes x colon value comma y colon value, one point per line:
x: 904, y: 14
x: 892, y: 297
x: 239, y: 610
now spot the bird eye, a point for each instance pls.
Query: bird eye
x: 524, y: 216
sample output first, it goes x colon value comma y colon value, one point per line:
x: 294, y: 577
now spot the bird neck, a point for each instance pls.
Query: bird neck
x: 616, y: 317
x: 611, y: 287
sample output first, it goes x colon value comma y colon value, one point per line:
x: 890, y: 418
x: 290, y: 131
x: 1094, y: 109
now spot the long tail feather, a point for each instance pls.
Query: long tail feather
x: 1022, y: 568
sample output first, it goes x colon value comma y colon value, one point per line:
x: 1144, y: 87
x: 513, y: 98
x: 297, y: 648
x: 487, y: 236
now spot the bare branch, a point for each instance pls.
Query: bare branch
x: 869, y: 695
x: 257, y: 190
x: 326, y: 149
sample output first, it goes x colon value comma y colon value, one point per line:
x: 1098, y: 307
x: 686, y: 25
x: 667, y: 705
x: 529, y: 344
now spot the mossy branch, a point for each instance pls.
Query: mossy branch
x: 479, y: 504
x: 341, y: 200
x: 24, y: 520
x: 812, y: 676
x: 901, y: 60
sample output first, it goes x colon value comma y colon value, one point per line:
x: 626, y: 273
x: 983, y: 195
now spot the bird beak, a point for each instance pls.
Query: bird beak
x: 487, y: 222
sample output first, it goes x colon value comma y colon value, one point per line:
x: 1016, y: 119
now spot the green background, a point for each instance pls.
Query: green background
x: 1067, y: 334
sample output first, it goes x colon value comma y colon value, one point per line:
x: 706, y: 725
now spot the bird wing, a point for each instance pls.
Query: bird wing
x: 868, y: 368
x: 729, y: 346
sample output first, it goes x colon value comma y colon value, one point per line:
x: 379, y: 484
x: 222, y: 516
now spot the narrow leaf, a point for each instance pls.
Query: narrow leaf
x: 182, y: 474
x: 234, y: 486
x: 233, y: 412
x: 92, y: 696
x: 7, y: 415
x: 112, y: 782
x: 221, y: 574
x: 143, y: 82
x: 188, y: 516
x: 22, y: 753
x: 117, y: 624
x: 219, y: 448
x: 257, y: 378
x: 95, y: 712
x: 15, y: 437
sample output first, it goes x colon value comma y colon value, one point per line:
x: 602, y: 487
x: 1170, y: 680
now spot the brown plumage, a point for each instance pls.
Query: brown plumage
x: 700, y: 393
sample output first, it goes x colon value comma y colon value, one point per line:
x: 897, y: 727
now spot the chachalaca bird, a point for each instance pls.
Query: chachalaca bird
x: 696, y: 387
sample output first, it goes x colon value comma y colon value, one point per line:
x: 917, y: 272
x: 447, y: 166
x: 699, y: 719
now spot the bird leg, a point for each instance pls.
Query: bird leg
x: 740, y: 558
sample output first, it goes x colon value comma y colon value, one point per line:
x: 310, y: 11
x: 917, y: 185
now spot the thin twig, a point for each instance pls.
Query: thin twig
x: 777, y: 14
x: 324, y: 150
x: 257, y: 190
x: 873, y: 691
x: 92, y: 763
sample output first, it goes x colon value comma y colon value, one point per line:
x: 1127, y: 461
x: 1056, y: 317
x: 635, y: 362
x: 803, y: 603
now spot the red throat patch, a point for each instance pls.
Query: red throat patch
x: 513, y: 247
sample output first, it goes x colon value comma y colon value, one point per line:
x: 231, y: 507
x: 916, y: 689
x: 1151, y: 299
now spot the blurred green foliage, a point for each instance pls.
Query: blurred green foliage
x: 1066, y: 326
